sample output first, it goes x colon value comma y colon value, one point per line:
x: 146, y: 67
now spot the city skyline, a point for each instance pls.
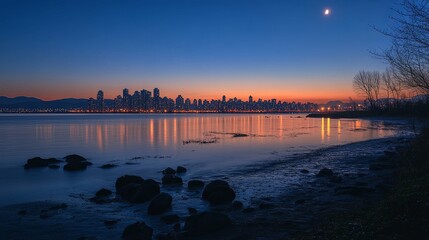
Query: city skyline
x: 153, y: 101
x: 285, y: 50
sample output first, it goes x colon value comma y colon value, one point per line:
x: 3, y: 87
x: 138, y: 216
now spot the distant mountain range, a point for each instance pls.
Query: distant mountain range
x: 35, y: 103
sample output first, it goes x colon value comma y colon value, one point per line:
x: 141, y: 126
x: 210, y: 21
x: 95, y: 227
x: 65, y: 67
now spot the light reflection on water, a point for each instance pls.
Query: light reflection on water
x: 119, y: 138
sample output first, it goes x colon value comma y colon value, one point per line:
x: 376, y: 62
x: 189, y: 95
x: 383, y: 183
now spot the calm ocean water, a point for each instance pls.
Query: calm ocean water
x: 144, y: 144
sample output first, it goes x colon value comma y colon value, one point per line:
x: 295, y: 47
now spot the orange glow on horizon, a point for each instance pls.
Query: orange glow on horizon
x: 210, y: 89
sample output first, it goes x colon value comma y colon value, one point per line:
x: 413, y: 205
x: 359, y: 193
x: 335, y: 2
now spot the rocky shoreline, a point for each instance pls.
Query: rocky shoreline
x: 287, y: 199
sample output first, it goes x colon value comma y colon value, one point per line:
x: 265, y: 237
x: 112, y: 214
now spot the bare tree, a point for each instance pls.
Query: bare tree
x: 392, y: 86
x: 368, y: 84
x: 409, y: 53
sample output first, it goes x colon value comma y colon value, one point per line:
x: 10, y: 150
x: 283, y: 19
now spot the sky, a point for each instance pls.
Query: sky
x: 288, y: 50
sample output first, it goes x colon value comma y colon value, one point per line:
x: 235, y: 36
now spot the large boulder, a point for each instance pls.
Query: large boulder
x: 160, y: 203
x: 137, y: 231
x: 325, y: 172
x: 76, y: 166
x: 126, y: 179
x: 76, y: 163
x: 206, y: 222
x: 181, y: 169
x: 37, y: 162
x: 169, y: 170
x: 218, y: 192
x: 147, y: 190
x: 74, y: 158
x: 171, y: 179
x: 103, y: 193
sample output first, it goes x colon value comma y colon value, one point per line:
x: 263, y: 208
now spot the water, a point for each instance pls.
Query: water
x: 144, y: 144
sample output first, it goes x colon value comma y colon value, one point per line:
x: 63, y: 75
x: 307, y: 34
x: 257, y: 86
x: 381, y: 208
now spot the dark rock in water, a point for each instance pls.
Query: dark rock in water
x: 170, y: 219
x: 170, y: 179
x: 192, y: 211
x: 325, y: 172
x: 110, y: 222
x: 237, y: 205
x: 137, y: 231
x: 300, y: 201
x: 22, y: 212
x: 265, y: 205
x: 177, y: 227
x: 147, y: 190
x: 103, y: 193
x: 126, y: 179
x: 354, y: 191
x: 181, y: 169
x: 76, y: 166
x: 53, y: 166
x: 206, y: 222
x: 160, y: 203
x: 248, y: 210
x: 74, y: 158
x: 108, y: 166
x: 239, y: 135
x: 169, y: 170
x: 218, y: 192
x: 305, y: 171
x: 195, y: 184
x: 37, y: 162
x: 127, y: 192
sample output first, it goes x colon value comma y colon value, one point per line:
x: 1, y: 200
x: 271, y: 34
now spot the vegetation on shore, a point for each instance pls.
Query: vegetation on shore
x: 403, y: 214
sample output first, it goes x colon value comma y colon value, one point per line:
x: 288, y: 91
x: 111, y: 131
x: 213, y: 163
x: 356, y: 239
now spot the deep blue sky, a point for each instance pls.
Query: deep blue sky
x: 199, y: 48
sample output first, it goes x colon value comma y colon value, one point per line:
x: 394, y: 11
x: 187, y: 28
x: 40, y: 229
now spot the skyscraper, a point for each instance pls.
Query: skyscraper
x: 156, y: 99
x: 100, y: 101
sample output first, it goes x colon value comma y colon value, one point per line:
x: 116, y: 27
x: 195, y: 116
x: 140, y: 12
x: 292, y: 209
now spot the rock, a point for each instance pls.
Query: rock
x: 37, y: 162
x: 206, y: 222
x: 170, y: 179
x: 110, y: 222
x: 169, y: 170
x: 305, y: 171
x: 74, y: 158
x: 160, y: 203
x: 53, y: 166
x: 103, y: 193
x: 181, y: 169
x: 218, y: 192
x: 239, y: 135
x: 192, y: 211
x: 76, y: 166
x: 126, y: 179
x: 170, y: 219
x: 325, y: 172
x: 137, y: 231
x: 237, y: 205
x: 195, y: 184
x: 127, y: 192
x: 300, y: 201
x: 108, y: 166
x: 147, y: 190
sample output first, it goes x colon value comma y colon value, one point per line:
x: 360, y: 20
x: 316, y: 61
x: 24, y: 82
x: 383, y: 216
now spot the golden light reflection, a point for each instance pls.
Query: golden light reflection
x: 322, y: 130
x: 328, y: 128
